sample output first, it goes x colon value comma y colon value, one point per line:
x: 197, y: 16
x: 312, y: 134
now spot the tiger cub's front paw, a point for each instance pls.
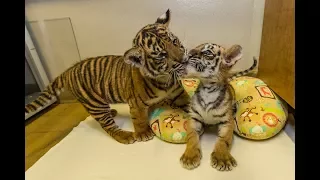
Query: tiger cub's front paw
x: 222, y: 160
x: 191, y: 158
x: 124, y: 137
x: 145, y: 135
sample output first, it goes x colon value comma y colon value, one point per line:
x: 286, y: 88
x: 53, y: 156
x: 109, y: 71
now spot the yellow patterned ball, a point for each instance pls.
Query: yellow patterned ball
x: 169, y: 124
x: 260, y: 113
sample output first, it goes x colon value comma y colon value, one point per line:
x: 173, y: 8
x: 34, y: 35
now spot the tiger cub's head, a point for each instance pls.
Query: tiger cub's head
x: 210, y: 61
x: 156, y: 51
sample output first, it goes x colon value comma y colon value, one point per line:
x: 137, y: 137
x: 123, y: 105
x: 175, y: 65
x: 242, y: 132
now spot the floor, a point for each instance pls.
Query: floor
x: 50, y: 126
x: 47, y: 128
x: 105, y: 159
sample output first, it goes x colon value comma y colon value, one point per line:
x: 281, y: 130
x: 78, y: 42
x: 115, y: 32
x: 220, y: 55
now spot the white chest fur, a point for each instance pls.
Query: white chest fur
x: 206, y: 106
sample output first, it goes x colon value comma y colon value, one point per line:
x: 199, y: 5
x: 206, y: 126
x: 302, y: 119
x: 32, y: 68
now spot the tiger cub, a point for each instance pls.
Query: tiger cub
x: 143, y: 77
x: 212, y: 103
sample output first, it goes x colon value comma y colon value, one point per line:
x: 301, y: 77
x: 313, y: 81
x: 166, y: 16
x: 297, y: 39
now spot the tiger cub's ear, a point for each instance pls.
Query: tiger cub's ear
x: 135, y: 57
x: 232, y: 55
x: 164, y: 18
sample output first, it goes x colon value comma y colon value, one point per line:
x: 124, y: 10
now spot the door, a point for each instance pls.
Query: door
x: 277, y: 58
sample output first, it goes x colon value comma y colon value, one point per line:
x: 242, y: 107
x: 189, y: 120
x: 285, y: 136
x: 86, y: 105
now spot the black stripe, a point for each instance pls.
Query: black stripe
x: 117, y: 80
x: 98, y: 111
x: 54, y: 86
x: 212, y: 88
x: 228, y: 145
x: 110, y: 85
x: 200, y: 100
x: 102, y: 65
x: 38, y: 102
x: 115, y: 88
x: 215, y: 65
x: 132, y: 84
x: 142, y: 100
x: 75, y: 89
x: 148, y: 89
x: 90, y: 74
x: 193, y: 118
x: 158, y: 85
x: 149, y: 70
x: 223, y: 123
x: 175, y: 98
x: 112, y: 98
x: 246, y: 71
x: 109, y: 121
x: 83, y: 87
x: 93, y: 71
x: 237, y: 125
x: 45, y: 96
x: 31, y: 106
x: 195, y: 111
x: 143, y: 36
x: 149, y: 43
x: 84, y: 72
x: 152, y: 66
x: 121, y: 78
x: 221, y: 115
x: 219, y: 100
x: 189, y: 137
x: 42, y: 99
x: 74, y: 85
x: 103, y: 81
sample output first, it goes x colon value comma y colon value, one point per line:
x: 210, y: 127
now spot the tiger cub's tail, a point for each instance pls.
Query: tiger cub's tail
x: 52, y: 91
x: 245, y: 72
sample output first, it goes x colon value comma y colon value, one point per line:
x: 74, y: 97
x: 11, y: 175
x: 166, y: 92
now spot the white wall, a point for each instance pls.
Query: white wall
x: 108, y: 26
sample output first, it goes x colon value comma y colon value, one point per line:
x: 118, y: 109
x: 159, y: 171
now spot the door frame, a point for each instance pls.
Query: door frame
x: 37, y: 70
x: 34, y: 62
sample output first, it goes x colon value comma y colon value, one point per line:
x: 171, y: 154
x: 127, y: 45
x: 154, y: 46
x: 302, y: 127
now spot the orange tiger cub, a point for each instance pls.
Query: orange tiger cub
x: 142, y: 78
x: 212, y: 103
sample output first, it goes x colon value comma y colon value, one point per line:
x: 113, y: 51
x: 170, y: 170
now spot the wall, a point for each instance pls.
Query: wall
x: 108, y: 26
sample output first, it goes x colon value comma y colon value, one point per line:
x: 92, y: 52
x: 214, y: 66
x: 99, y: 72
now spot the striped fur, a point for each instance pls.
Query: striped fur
x: 143, y: 77
x: 212, y: 103
x: 245, y: 72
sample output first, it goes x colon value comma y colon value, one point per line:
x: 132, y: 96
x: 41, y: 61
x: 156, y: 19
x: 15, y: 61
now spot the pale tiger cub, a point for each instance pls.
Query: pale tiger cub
x: 212, y: 103
x: 142, y: 77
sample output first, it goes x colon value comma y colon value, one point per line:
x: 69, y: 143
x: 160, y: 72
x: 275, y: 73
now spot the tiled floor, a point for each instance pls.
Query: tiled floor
x: 49, y: 127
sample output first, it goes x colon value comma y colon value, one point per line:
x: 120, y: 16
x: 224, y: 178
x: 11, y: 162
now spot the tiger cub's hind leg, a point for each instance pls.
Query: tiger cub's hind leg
x: 105, y: 117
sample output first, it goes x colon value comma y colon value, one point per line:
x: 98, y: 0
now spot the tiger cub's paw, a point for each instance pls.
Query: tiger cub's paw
x: 124, y: 137
x: 145, y: 135
x: 222, y: 160
x: 113, y: 113
x: 191, y: 158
